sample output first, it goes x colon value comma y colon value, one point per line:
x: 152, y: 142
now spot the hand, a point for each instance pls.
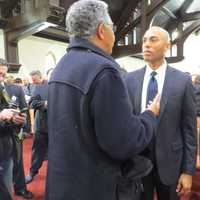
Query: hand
x: 19, y: 118
x: 6, y: 114
x: 154, y: 106
x: 184, y: 184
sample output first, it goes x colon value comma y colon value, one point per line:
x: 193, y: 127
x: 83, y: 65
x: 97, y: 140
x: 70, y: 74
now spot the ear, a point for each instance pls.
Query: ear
x: 167, y: 47
x: 100, y: 32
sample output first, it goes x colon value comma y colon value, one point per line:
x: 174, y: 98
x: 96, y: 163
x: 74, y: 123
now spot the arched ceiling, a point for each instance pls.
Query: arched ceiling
x: 46, y: 18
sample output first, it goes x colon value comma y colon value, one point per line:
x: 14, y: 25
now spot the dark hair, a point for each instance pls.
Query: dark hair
x: 18, y: 80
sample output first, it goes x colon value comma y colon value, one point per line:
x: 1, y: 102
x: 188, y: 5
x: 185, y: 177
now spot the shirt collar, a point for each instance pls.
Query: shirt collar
x: 160, y: 70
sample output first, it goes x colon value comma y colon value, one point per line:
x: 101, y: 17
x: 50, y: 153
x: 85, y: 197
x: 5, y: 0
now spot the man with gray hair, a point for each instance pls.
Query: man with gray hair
x: 92, y: 131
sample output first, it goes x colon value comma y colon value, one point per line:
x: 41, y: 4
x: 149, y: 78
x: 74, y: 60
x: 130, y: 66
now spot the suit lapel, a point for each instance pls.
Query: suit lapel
x: 168, y: 85
x: 138, y: 92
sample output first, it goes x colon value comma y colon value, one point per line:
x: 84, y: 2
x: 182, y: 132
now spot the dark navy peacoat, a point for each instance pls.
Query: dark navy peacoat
x: 92, y: 130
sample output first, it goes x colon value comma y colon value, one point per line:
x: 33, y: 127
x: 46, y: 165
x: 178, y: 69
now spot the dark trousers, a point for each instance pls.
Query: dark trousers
x: 4, y: 194
x: 153, y: 183
x: 39, y: 151
x: 18, y: 171
x: 27, y: 125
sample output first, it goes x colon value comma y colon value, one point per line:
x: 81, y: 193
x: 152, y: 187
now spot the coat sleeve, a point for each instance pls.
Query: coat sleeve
x: 119, y: 133
x: 36, y: 102
x: 189, y: 129
x: 22, y: 100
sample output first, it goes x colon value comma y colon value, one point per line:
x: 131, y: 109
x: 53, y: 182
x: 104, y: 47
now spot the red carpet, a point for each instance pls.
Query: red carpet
x: 37, y: 186
x: 195, y: 195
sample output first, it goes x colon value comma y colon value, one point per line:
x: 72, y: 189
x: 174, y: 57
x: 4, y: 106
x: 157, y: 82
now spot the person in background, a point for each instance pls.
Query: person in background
x: 27, y: 126
x: 197, y: 98
x: 38, y: 103
x: 8, y: 129
x: 13, y: 97
x: 7, y: 117
x: 9, y: 79
x: 28, y: 88
x: 173, y: 147
x: 36, y: 77
x: 92, y: 131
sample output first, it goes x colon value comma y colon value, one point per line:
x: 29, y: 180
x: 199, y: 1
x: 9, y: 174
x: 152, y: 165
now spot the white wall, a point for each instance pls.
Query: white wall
x: 36, y: 53
x: 2, y: 49
x: 191, y: 62
x: 130, y: 63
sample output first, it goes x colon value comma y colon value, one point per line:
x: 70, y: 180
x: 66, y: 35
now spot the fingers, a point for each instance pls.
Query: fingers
x: 154, y: 105
x: 6, y: 114
x: 13, y: 115
x: 18, y: 119
x: 178, y: 188
x: 183, y: 189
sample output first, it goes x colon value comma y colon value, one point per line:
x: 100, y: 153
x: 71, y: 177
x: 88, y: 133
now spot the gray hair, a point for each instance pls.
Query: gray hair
x: 36, y: 72
x: 84, y: 16
x: 3, y: 62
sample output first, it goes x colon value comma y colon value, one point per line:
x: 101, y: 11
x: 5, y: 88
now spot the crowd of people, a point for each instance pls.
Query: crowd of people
x: 106, y: 135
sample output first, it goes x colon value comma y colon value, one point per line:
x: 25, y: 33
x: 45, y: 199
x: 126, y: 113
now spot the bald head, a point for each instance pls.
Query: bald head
x: 156, y: 42
x: 164, y: 34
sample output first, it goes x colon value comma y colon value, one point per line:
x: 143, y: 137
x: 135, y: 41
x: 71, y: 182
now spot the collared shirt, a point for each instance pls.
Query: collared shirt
x: 160, y: 77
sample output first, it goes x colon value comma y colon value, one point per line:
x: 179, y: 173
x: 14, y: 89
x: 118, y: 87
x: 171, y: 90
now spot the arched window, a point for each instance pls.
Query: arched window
x: 50, y: 61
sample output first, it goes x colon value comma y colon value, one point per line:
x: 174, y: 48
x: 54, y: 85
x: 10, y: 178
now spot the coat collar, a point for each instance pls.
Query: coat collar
x: 77, y: 42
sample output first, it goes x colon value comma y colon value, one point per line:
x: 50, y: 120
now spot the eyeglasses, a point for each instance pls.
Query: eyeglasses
x: 113, y: 27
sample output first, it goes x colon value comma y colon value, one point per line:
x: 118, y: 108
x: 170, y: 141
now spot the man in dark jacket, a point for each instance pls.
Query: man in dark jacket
x: 13, y: 96
x: 38, y: 102
x: 6, y: 118
x: 92, y: 131
x: 7, y: 131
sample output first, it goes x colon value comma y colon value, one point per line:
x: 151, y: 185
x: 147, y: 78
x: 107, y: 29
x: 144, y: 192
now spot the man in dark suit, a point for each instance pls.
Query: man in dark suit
x: 173, y: 147
x: 15, y: 98
x: 38, y: 102
x: 7, y: 117
x: 11, y: 96
x: 92, y: 131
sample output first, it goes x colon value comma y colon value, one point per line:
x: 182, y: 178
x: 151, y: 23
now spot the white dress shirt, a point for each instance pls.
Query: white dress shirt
x: 160, y: 77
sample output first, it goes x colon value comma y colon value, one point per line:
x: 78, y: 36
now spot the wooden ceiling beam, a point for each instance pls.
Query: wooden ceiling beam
x: 151, y: 10
x: 126, y: 14
x: 54, y: 33
x: 185, y: 33
x: 127, y: 50
x: 191, y: 16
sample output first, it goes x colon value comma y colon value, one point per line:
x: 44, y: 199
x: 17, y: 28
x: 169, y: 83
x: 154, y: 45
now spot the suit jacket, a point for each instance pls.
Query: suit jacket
x: 175, y: 137
x: 37, y: 102
x: 91, y: 128
x: 7, y: 130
